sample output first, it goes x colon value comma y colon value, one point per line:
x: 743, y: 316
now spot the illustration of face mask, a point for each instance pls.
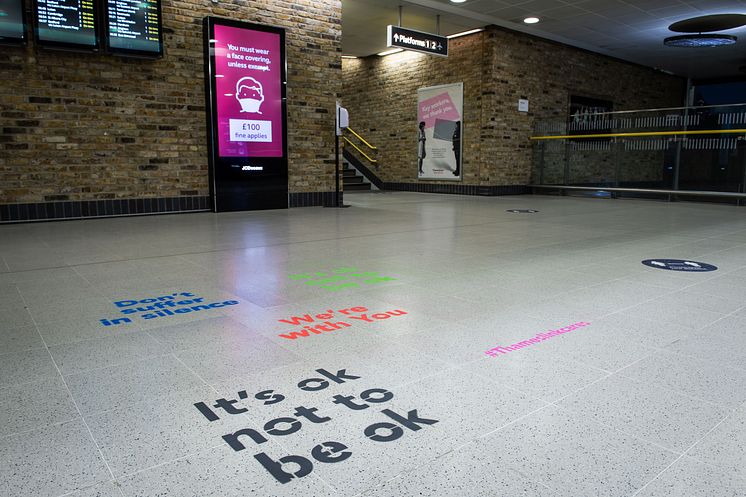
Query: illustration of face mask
x: 249, y: 94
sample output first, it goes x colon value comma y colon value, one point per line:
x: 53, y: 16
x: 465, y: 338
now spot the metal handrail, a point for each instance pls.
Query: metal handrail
x: 647, y: 133
x: 370, y: 159
x: 699, y: 107
x: 362, y: 139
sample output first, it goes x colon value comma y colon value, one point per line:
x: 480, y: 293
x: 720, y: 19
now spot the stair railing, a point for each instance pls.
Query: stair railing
x: 371, y: 148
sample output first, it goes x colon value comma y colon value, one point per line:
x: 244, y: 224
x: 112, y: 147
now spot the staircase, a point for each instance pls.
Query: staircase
x: 352, y: 180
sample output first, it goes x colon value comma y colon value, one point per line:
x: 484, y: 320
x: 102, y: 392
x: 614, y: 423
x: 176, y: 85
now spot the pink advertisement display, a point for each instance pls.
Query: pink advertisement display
x: 248, y: 89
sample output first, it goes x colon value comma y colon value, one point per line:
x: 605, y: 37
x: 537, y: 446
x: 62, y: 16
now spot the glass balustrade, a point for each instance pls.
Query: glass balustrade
x: 694, y: 149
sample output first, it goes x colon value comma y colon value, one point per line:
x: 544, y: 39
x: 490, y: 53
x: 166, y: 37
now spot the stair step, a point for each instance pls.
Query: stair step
x: 352, y: 179
x: 357, y: 186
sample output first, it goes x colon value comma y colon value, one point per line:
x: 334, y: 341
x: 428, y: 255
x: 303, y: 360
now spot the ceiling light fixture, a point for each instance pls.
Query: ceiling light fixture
x: 389, y: 52
x: 464, y: 33
x: 349, y: 57
x: 458, y: 1
x: 700, y: 40
x: 531, y: 20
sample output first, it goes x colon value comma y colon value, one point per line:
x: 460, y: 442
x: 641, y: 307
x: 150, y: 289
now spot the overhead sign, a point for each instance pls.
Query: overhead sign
x: 680, y: 265
x: 418, y: 41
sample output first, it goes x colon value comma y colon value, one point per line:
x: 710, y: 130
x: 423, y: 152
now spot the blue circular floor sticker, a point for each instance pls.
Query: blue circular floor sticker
x: 680, y: 265
x: 522, y: 211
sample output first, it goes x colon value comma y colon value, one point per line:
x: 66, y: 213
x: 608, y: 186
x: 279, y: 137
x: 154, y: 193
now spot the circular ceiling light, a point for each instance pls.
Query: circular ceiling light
x: 531, y: 20
x: 705, y: 24
x: 458, y: 1
x: 700, y: 40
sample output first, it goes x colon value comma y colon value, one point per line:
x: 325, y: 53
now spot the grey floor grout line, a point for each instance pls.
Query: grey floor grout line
x: 683, y: 454
x: 194, y: 373
x: 77, y: 407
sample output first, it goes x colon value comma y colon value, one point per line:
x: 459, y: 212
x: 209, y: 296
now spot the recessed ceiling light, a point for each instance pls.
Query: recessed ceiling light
x: 464, y: 33
x: 458, y: 1
x: 531, y: 20
x: 700, y: 40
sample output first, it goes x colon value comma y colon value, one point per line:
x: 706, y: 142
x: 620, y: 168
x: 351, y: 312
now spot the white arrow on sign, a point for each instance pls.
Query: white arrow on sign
x: 396, y: 37
x: 658, y: 263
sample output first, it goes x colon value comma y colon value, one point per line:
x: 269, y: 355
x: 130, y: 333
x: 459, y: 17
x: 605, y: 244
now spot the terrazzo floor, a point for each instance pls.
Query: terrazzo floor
x: 321, y: 352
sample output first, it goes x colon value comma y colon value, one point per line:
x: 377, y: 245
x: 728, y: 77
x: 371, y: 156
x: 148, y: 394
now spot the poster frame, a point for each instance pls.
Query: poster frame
x: 445, y: 87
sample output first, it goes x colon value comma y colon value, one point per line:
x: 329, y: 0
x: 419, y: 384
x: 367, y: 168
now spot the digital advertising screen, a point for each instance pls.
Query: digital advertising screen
x: 246, y: 82
x: 12, y: 22
x: 248, y: 87
x: 133, y: 27
x: 70, y: 24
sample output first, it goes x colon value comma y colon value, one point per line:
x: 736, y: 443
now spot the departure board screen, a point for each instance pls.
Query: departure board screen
x: 134, y: 27
x: 12, y: 22
x: 66, y: 23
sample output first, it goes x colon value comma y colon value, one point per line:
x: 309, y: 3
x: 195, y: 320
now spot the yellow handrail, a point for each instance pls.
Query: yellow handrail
x: 362, y: 139
x: 372, y: 160
x: 647, y: 133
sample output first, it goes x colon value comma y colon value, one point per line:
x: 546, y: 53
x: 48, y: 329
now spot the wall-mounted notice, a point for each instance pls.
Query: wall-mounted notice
x: 12, y: 22
x: 66, y: 24
x: 133, y: 27
x: 440, y: 127
x: 246, y: 98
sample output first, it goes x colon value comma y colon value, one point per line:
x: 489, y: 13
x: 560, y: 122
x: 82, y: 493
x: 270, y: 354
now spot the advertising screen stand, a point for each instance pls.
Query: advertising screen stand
x: 246, y: 82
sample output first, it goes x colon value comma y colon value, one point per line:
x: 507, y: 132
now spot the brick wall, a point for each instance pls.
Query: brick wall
x: 83, y: 127
x: 497, y: 68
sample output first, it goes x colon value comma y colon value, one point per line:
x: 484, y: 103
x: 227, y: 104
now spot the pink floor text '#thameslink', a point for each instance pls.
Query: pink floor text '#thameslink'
x: 540, y: 337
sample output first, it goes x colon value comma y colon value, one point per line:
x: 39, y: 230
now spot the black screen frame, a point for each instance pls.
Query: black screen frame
x: 231, y: 189
x: 69, y: 47
x: 128, y: 52
x: 19, y: 42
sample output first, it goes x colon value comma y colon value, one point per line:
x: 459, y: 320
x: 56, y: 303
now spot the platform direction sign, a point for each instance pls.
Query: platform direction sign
x: 409, y: 39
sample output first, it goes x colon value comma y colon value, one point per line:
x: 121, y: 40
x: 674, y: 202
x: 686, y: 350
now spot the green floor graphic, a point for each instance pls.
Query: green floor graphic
x: 340, y: 278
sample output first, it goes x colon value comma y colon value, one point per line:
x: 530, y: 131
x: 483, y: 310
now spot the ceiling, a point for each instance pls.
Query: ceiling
x: 631, y: 30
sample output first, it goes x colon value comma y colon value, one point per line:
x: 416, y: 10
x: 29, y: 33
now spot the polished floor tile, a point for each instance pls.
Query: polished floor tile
x: 692, y: 376
x: 52, y: 461
x: 572, y: 457
x: 655, y: 414
x: 344, y: 352
x: 725, y: 446
x: 690, y: 478
x: 28, y: 406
